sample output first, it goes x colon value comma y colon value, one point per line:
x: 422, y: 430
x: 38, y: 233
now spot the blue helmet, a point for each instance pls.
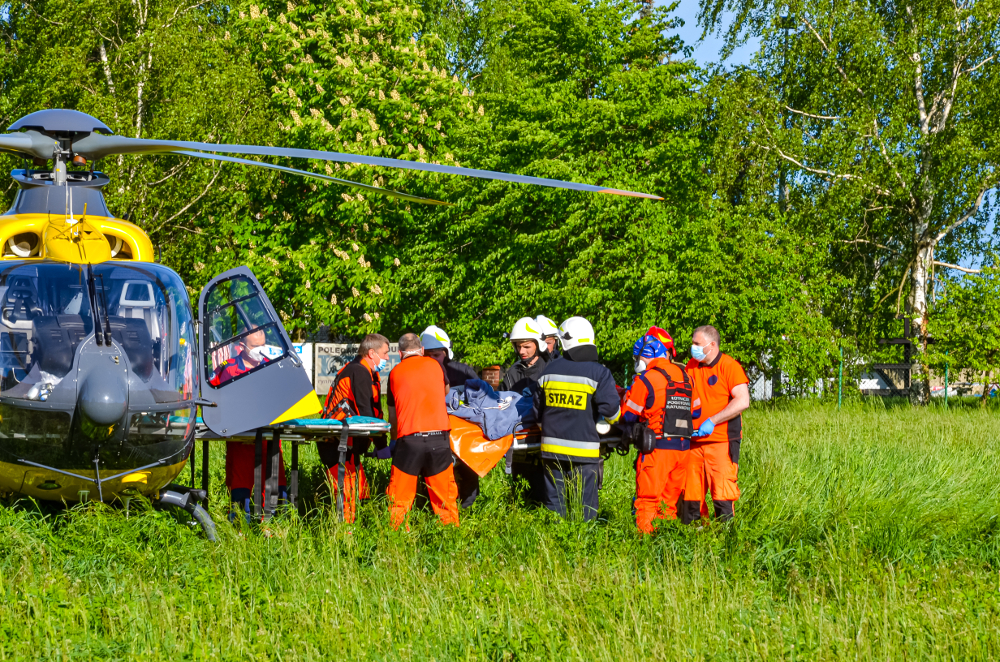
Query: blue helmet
x: 649, y: 347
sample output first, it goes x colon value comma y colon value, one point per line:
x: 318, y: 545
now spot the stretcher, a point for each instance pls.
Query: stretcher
x: 295, y: 431
x: 468, y: 443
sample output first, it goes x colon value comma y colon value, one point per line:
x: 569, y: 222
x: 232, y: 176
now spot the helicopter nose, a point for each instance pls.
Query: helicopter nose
x: 103, y: 398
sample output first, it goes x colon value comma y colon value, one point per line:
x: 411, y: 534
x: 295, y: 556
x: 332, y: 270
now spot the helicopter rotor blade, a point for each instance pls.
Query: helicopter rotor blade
x: 28, y: 143
x: 305, y: 173
x: 96, y: 146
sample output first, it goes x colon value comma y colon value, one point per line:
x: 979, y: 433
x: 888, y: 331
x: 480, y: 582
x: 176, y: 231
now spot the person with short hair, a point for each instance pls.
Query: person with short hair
x: 522, y: 377
x: 358, y: 385
x: 550, y: 335
x: 417, y: 390
x: 658, y: 402
x: 575, y: 393
x: 246, y: 355
x: 721, y: 393
x: 437, y: 345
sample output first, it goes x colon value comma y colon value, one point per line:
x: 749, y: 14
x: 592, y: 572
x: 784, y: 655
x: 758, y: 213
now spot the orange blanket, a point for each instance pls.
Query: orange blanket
x: 469, y: 444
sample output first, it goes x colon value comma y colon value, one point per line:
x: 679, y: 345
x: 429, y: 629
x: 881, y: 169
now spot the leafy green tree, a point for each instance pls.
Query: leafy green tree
x: 353, y: 77
x: 594, y: 91
x: 967, y: 324
x: 148, y: 69
x: 880, y: 111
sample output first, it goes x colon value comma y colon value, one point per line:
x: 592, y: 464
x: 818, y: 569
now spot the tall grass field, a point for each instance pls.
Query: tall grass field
x: 866, y: 533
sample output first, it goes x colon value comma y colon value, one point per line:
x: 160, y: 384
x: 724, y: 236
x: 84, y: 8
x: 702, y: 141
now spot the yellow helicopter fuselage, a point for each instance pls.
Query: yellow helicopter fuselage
x: 81, y: 240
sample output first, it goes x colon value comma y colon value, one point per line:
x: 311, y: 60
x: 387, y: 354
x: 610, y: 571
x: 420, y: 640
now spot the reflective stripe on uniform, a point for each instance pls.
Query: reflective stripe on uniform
x: 634, y: 407
x: 615, y: 417
x: 570, y: 447
x: 568, y: 383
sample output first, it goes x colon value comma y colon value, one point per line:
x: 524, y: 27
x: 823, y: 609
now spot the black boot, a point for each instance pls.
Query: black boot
x: 723, y: 510
x: 690, y: 511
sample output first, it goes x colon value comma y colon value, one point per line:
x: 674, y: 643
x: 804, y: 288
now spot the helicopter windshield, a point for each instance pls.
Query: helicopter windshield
x: 44, y: 314
x: 46, y: 311
x: 150, y: 317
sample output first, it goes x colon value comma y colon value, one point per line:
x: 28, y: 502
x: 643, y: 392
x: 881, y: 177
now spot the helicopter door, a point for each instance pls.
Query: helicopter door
x: 249, y: 369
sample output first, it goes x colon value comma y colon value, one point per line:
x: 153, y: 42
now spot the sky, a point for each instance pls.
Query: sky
x: 707, y: 51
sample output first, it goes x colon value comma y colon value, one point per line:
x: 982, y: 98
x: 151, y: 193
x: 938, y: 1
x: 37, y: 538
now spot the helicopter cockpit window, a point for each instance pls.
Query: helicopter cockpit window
x: 241, y: 333
x: 44, y: 314
x: 148, y: 310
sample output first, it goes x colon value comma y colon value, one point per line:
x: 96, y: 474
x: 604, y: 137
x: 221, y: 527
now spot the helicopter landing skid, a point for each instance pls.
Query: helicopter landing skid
x: 190, y: 500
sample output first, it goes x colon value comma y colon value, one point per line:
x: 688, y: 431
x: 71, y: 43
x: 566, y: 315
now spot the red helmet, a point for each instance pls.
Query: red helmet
x: 664, y: 338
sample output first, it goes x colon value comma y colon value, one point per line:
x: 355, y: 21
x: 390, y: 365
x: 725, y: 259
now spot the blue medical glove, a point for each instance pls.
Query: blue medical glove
x: 705, y: 429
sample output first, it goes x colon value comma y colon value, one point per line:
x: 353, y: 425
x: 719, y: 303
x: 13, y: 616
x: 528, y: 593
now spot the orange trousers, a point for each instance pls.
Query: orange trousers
x: 659, y: 484
x: 711, y: 469
x: 441, y: 489
x: 355, y: 485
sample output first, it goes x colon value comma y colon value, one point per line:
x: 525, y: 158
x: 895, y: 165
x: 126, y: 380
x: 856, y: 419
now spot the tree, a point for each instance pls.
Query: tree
x: 361, y: 78
x: 967, y: 326
x: 883, y: 110
x: 595, y: 92
x: 148, y: 69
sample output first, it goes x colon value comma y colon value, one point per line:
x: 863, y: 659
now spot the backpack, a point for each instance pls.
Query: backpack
x: 676, y: 420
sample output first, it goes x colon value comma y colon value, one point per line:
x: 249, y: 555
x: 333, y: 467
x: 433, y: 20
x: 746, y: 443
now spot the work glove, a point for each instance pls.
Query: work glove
x: 705, y: 429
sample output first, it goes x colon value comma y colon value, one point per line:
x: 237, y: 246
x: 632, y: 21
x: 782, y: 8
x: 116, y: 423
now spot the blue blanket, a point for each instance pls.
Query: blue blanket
x: 496, y: 413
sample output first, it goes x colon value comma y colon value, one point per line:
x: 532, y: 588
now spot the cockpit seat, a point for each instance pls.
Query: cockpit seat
x: 137, y: 301
x: 133, y: 336
x: 56, y: 338
x: 20, y: 304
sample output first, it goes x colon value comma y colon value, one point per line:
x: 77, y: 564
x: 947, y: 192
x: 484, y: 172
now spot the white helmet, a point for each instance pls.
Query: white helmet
x: 546, y: 326
x: 576, y: 332
x: 526, y: 329
x: 434, y: 337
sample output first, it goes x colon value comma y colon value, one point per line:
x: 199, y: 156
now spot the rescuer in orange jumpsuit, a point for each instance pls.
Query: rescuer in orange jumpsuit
x: 359, y: 385
x: 721, y: 395
x: 417, y: 389
x: 659, y: 399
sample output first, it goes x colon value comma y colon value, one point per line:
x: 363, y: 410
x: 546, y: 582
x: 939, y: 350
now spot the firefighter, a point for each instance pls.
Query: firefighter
x: 245, y: 355
x: 575, y: 392
x: 437, y: 345
x: 417, y: 408
x: 529, y: 346
x: 659, y: 399
x: 550, y: 334
x: 522, y: 377
x: 359, y: 387
x: 721, y: 394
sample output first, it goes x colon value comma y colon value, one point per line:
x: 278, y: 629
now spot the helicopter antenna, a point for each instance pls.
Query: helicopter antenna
x: 107, y: 317
x: 98, y: 336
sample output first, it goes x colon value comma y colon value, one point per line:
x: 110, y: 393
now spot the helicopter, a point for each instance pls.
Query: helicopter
x: 103, y: 365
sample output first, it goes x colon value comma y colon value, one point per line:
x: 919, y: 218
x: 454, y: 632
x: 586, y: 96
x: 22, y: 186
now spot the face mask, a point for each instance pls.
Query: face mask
x: 382, y: 365
x: 697, y: 353
x: 256, y: 353
x: 640, y: 366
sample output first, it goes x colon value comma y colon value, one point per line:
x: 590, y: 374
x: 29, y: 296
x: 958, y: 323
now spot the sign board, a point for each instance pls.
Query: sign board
x: 331, y: 357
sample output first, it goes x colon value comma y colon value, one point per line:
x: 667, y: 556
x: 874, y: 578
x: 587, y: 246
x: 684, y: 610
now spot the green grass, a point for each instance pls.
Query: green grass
x: 868, y: 533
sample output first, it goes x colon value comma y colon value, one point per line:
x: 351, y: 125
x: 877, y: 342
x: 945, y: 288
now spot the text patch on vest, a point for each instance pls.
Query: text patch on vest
x: 565, y: 399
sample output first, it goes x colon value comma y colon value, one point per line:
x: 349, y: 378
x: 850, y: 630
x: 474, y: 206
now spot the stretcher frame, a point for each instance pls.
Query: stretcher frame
x: 319, y: 430
x: 296, y: 431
